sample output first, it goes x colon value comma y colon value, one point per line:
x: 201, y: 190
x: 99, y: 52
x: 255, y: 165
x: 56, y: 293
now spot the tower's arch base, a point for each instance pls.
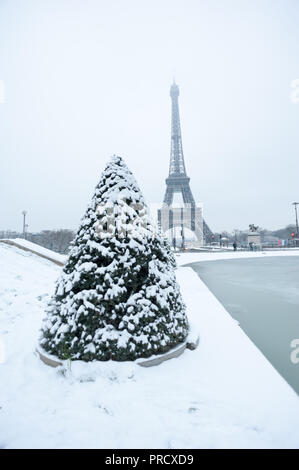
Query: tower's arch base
x: 188, y: 217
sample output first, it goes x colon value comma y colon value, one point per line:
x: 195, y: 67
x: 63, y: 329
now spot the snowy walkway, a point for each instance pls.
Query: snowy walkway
x: 224, y: 394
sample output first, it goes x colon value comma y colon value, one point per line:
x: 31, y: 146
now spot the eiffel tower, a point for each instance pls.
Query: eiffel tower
x: 178, y: 181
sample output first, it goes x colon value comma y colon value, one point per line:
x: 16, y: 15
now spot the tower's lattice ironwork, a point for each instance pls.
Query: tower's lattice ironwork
x: 178, y: 181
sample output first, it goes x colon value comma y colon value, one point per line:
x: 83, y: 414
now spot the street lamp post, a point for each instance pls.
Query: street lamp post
x: 295, y: 204
x: 24, y: 224
x: 182, y: 229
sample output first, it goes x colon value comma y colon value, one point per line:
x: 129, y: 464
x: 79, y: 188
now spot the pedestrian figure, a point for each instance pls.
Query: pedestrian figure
x: 235, y: 245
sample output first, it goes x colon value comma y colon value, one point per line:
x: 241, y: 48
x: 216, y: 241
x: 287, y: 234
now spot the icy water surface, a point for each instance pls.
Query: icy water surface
x: 263, y: 295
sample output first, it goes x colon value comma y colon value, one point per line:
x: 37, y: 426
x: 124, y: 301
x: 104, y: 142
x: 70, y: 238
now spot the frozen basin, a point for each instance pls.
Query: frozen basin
x: 263, y: 295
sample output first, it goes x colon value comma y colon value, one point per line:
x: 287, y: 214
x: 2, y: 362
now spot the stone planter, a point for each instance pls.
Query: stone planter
x: 148, y: 362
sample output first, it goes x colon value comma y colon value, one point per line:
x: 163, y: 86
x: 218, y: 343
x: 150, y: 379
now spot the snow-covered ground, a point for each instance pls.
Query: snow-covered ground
x: 224, y: 394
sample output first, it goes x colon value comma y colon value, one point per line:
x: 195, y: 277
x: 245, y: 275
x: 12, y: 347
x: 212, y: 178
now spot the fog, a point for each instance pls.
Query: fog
x: 83, y: 80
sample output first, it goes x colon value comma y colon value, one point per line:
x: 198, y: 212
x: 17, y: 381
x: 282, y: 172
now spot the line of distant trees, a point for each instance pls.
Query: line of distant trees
x: 59, y: 240
x: 56, y: 240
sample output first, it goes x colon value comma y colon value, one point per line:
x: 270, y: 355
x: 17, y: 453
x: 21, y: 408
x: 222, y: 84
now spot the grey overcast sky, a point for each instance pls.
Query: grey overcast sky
x: 87, y: 79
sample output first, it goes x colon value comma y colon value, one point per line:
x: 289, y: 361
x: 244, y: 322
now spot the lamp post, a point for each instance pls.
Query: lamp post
x: 182, y: 229
x: 24, y: 224
x: 295, y: 204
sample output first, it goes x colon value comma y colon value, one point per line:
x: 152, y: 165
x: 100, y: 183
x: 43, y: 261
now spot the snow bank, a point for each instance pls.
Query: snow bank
x: 224, y: 394
x: 36, y: 249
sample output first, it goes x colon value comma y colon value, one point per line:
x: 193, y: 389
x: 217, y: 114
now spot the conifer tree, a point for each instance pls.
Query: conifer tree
x: 117, y: 297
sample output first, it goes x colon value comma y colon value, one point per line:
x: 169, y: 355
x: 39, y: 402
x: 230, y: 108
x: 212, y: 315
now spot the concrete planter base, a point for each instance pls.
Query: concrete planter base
x: 52, y: 361
x: 175, y: 352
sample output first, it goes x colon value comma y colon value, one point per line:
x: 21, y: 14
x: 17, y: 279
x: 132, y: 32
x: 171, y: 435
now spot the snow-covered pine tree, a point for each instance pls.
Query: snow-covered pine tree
x: 117, y: 297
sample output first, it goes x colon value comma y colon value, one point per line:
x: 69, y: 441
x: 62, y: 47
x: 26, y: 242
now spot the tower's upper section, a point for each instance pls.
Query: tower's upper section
x: 174, y: 90
x: 177, y: 165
